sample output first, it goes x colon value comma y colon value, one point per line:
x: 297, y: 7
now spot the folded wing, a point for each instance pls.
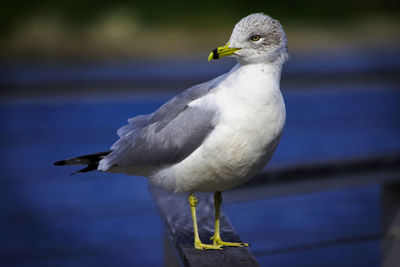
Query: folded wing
x: 165, y: 137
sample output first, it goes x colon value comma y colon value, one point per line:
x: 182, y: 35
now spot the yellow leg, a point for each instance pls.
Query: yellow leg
x: 217, y: 237
x: 197, y: 242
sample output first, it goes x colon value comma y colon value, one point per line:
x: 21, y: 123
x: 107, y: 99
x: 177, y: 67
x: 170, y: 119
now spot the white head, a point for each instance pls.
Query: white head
x: 256, y: 38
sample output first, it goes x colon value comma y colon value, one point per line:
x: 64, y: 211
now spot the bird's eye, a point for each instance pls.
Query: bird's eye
x: 255, y: 38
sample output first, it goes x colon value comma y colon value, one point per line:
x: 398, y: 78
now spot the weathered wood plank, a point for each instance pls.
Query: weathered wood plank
x: 391, y: 224
x: 175, y: 211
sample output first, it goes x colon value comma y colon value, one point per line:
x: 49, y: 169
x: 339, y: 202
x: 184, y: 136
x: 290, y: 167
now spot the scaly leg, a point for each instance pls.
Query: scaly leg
x: 217, y: 237
x: 197, y: 242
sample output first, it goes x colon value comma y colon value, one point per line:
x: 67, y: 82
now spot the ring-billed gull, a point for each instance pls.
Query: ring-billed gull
x: 213, y: 136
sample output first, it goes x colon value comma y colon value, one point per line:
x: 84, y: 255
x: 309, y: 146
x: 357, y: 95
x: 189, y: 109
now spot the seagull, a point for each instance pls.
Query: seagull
x: 213, y: 136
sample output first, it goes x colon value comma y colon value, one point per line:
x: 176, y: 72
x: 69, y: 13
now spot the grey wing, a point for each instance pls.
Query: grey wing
x: 167, y: 136
x: 176, y: 105
x: 135, y: 124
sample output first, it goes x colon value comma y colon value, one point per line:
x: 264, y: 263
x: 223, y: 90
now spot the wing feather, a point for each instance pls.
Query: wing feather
x: 166, y: 136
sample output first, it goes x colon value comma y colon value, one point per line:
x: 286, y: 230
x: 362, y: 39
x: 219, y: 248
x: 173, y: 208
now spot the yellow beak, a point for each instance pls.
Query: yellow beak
x: 222, y: 51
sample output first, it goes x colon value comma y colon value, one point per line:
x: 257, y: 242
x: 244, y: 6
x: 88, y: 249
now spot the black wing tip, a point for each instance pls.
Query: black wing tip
x: 90, y: 167
x: 60, y: 163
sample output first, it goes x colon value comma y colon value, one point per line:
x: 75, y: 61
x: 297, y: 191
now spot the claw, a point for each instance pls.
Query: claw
x: 219, y: 242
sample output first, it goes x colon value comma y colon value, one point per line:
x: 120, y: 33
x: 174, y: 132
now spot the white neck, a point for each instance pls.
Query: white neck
x: 258, y: 74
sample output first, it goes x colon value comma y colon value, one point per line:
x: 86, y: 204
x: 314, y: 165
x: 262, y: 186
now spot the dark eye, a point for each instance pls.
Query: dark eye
x: 255, y: 38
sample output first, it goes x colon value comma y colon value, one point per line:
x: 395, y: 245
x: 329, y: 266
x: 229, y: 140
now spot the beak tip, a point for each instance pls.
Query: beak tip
x: 211, y: 56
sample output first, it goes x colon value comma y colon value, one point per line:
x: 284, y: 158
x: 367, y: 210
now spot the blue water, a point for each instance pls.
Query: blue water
x: 51, y: 219
x: 331, y: 228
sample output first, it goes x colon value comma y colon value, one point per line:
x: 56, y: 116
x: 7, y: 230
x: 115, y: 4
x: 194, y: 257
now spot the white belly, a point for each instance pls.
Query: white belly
x: 242, y: 143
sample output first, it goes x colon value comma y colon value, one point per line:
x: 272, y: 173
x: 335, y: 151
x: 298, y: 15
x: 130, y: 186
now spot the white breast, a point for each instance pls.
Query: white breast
x: 252, y: 116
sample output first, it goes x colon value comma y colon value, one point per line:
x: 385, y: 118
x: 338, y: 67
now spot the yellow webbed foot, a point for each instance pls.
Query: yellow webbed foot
x: 218, y: 242
x: 201, y: 246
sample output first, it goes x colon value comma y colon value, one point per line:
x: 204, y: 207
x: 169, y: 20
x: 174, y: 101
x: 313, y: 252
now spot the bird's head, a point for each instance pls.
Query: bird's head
x: 255, y: 38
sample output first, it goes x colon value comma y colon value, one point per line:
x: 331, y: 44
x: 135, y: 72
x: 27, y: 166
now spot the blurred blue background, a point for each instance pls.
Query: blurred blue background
x: 72, y: 72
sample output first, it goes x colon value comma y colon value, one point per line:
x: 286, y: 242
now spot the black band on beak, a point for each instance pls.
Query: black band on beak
x: 215, y: 53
